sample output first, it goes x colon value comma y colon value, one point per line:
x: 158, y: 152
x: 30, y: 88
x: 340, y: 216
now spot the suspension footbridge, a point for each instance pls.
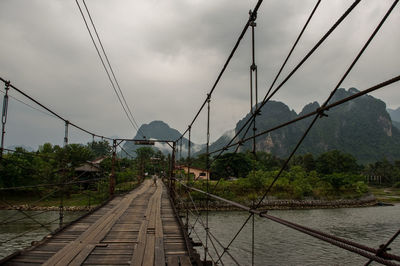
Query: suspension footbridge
x: 153, y: 224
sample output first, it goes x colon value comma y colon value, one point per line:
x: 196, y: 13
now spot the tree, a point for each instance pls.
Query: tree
x: 74, y: 154
x: 336, y: 162
x: 100, y: 148
x: 308, y: 162
x: 143, y: 157
x: 232, y: 165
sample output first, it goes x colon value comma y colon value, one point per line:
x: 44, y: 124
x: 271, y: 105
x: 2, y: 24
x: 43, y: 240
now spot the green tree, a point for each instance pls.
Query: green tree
x: 232, y: 165
x: 100, y: 148
x: 143, y: 159
x: 336, y: 162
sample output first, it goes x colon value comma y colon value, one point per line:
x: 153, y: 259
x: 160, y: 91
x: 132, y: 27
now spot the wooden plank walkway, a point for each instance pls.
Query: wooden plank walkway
x: 139, y: 228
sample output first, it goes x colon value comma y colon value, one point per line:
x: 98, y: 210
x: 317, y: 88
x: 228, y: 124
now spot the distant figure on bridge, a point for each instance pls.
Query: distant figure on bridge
x: 155, y: 180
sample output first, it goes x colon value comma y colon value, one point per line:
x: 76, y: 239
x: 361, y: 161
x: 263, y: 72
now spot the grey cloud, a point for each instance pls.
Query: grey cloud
x: 167, y: 55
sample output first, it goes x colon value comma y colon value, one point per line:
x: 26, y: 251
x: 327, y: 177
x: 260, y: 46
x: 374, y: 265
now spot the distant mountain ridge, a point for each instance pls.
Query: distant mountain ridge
x: 362, y: 127
x: 395, y: 115
x: 158, y: 130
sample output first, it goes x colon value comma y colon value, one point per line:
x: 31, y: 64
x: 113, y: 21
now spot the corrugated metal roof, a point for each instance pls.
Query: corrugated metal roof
x: 87, y: 168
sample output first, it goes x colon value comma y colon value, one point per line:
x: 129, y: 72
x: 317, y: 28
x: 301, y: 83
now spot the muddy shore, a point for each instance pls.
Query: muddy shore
x: 223, y: 206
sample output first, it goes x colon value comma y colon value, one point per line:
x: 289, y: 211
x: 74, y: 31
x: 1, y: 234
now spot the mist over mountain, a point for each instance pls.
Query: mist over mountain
x: 361, y: 127
x: 395, y: 115
x: 158, y: 130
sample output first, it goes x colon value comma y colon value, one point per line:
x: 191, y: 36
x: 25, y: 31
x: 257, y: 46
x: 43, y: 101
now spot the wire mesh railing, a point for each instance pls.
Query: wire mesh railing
x: 184, y: 186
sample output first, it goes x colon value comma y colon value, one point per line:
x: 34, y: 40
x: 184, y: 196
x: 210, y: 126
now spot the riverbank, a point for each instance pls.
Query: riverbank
x: 366, y: 201
x: 25, y: 207
x: 222, y: 206
x: 386, y: 194
x: 378, y: 196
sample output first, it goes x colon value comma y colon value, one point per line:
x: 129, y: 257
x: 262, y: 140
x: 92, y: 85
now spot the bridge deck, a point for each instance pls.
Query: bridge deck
x: 137, y: 229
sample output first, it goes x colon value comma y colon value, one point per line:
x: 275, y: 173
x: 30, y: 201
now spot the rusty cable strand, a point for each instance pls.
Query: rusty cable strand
x: 33, y: 154
x: 37, y: 109
x: 104, y: 66
x: 313, y: 231
x: 26, y: 232
x: 57, y: 184
x: 285, y: 62
x: 192, y: 226
x: 198, y: 237
x: 4, y: 221
x: 112, y: 71
x: 127, y: 153
x: 257, y: 6
x: 321, y: 109
x: 320, y: 114
x: 198, y: 218
x: 294, y: 70
x: 52, y: 112
x: 49, y: 194
x: 22, y: 218
x: 234, y: 238
x: 382, y: 249
x: 27, y: 215
x: 341, y: 244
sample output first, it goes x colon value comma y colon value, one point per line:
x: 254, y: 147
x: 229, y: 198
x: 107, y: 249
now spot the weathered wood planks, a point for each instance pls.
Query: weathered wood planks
x: 137, y: 229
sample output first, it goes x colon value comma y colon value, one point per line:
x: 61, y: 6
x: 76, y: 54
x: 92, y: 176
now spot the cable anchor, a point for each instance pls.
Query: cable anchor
x: 252, y: 18
x: 321, y: 112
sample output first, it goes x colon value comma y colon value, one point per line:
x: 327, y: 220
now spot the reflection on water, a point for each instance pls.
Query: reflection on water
x: 13, y: 223
x: 276, y: 244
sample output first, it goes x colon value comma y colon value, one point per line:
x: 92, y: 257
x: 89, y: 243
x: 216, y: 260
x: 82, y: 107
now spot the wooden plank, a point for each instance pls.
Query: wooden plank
x: 173, y: 261
x: 95, y: 232
x: 107, y: 259
x: 81, y: 257
x: 138, y: 253
x: 185, y: 261
x: 138, y: 229
x: 159, y: 256
x: 148, y: 257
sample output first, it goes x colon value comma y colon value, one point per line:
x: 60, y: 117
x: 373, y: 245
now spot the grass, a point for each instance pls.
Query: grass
x: 75, y: 198
x: 386, y: 194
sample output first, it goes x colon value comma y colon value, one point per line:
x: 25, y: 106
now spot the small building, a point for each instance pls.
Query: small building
x: 198, y: 173
x: 89, y: 170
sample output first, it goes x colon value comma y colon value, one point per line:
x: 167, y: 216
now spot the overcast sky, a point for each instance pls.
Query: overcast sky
x: 167, y: 54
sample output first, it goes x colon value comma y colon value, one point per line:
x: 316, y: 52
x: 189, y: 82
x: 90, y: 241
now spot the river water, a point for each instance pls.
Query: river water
x: 13, y: 225
x: 274, y: 243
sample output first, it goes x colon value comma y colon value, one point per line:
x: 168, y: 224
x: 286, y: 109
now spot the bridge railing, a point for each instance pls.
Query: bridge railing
x: 182, y: 195
x: 45, y: 183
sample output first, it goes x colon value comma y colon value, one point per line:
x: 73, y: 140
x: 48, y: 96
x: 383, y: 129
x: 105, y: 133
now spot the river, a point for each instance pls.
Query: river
x: 274, y: 243
x: 12, y: 225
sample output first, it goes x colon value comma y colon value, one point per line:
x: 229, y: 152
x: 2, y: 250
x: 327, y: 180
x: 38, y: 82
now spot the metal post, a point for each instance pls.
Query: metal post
x: 188, y: 175
x: 172, y: 174
x: 253, y: 68
x: 180, y: 150
x: 112, y: 177
x: 207, y: 174
x: 61, y: 207
x: 4, y: 117
x: 66, y: 133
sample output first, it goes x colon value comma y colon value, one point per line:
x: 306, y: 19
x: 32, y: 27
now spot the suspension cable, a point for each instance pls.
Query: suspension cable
x: 51, y: 111
x: 112, y: 72
x: 105, y: 68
